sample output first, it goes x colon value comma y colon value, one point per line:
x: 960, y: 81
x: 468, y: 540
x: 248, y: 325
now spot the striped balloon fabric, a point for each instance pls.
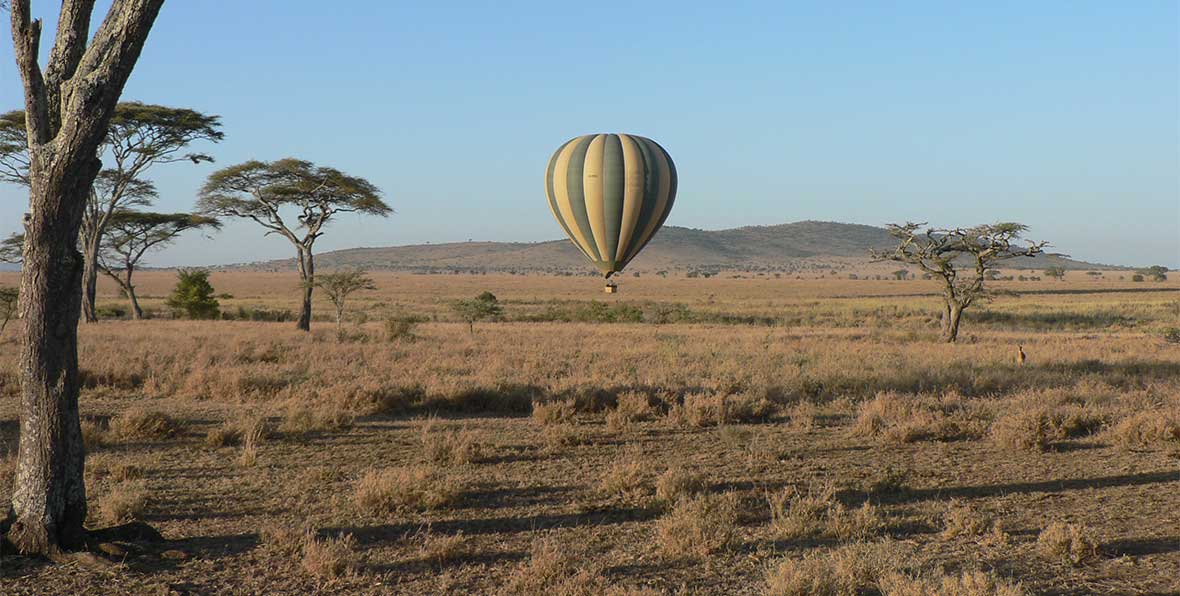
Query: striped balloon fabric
x: 610, y: 193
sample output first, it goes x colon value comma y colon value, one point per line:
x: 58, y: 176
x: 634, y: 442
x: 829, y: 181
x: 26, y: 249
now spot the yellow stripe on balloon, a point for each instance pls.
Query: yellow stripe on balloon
x: 592, y: 187
x: 633, y: 176
x: 561, y: 196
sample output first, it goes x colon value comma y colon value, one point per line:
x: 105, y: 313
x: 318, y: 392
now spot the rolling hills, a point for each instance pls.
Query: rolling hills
x: 791, y: 247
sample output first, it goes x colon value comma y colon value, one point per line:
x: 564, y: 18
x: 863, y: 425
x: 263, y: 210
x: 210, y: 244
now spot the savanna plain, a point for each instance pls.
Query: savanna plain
x: 685, y: 436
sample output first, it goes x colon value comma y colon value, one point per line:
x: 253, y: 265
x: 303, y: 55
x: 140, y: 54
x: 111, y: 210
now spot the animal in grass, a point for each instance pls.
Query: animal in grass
x: 610, y: 193
x: 1020, y: 355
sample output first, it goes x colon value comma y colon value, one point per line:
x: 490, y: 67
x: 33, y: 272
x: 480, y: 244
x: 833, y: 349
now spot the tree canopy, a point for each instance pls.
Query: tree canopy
x: 961, y: 258
x: 260, y: 191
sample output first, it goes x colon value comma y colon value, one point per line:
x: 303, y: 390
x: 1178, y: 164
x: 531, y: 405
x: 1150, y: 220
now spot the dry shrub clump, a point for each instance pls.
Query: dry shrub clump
x: 140, y: 423
x: 715, y: 409
x: 631, y: 408
x: 94, y: 434
x: 421, y: 488
x: 846, y: 571
x: 440, y: 549
x: 968, y: 583
x: 698, y: 527
x: 1071, y: 543
x: 556, y: 437
x: 124, y: 502
x: 901, y: 418
x: 328, y: 558
x: 557, y: 569
x: 302, y: 419
x: 678, y: 483
x: 238, y: 431
x: 1037, y: 428
x: 963, y: 519
x: 441, y: 446
x: 1145, y: 430
x: 626, y: 479
x: 796, y: 515
x: 555, y: 412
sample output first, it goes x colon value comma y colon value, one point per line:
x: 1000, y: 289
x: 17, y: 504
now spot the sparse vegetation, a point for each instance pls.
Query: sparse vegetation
x: 426, y: 453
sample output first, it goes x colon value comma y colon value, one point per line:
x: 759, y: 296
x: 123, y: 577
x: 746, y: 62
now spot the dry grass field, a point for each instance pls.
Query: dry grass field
x: 686, y: 436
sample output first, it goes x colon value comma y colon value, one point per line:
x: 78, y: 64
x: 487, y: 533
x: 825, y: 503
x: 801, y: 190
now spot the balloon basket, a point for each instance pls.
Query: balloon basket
x: 611, y: 288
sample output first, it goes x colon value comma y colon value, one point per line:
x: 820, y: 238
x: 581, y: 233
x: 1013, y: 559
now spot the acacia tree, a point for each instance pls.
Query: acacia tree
x: 338, y: 287
x: 68, y: 107
x: 960, y: 258
x: 11, y: 248
x: 139, y: 137
x: 131, y: 234
x: 268, y: 192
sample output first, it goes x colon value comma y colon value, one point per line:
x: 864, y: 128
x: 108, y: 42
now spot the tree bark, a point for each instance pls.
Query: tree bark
x: 49, y: 496
x: 89, y: 279
x: 950, y: 332
x: 67, y: 110
x: 307, y: 276
x: 136, y: 311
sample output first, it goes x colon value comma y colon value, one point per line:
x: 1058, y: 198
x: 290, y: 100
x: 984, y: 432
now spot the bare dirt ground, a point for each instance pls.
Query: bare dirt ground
x: 733, y: 437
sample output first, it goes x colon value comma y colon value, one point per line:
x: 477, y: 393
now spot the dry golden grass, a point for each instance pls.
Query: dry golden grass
x: 698, y: 527
x: 123, y: 502
x: 140, y: 424
x: 964, y: 519
x: 1072, y: 543
x: 449, y: 447
x: 678, y: 483
x: 968, y: 583
x: 847, y: 571
x: 423, y: 488
x: 328, y: 558
x: 746, y: 386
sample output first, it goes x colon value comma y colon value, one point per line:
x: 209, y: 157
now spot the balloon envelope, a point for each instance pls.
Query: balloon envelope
x: 610, y: 193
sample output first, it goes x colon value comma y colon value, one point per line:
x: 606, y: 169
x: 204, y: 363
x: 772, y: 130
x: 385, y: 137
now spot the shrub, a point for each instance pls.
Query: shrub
x: 421, y: 488
x: 1070, y: 543
x: 302, y: 419
x: 400, y: 328
x: 193, y: 295
x: 1144, y: 430
x: 557, y: 570
x: 442, y: 446
x: 968, y: 583
x: 123, y: 502
x: 625, y: 479
x: 698, y: 527
x: 963, y: 519
x: 328, y: 558
x: 1026, y: 429
x: 555, y: 412
x: 848, y: 570
x: 138, y: 423
x: 678, y: 483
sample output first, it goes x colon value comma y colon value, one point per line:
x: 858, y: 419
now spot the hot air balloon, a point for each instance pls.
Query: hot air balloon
x: 610, y: 193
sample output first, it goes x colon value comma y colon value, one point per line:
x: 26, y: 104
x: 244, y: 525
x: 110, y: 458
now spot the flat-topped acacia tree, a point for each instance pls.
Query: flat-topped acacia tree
x: 131, y: 234
x: 68, y: 108
x: 269, y: 192
x: 960, y: 258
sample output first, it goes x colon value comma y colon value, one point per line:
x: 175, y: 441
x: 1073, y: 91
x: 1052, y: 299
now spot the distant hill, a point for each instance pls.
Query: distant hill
x: 805, y: 245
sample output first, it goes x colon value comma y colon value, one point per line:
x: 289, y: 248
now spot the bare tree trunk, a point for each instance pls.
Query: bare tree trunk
x: 90, y: 277
x: 49, y: 496
x: 950, y: 329
x: 307, y: 276
x: 340, y: 321
x: 136, y: 311
x: 67, y: 110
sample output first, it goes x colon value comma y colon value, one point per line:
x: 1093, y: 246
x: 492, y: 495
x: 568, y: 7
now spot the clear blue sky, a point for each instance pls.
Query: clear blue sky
x: 1062, y: 115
